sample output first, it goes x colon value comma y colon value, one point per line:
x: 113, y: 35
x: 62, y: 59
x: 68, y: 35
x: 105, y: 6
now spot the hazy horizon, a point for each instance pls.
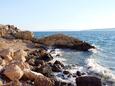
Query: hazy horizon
x: 61, y: 15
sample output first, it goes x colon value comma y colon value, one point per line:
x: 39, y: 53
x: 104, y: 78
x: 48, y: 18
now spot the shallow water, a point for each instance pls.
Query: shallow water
x: 101, y: 60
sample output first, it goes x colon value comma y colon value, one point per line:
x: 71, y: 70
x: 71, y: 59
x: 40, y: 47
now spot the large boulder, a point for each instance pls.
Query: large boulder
x: 13, y: 72
x: 26, y: 35
x: 88, y: 81
x: 57, y: 66
x: 63, y: 41
x: 38, y: 78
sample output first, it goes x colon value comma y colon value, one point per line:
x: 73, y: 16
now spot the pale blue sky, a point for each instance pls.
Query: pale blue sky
x: 42, y: 15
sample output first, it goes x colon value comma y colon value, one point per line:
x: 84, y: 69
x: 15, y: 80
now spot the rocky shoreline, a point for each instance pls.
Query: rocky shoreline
x: 25, y: 60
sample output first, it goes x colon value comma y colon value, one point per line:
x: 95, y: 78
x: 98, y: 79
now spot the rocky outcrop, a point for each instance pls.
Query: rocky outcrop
x: 63, y: 41
x: 26, y: 35
x: 88, y: 81
x: 13, y: 72
x: 8, y: 30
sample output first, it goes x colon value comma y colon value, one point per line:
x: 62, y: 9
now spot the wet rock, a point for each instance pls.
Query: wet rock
x: 45, y: 69
x: 13, y: 72
x: 26, y: 35
x: 88, y: 81
x: 58, y: 62
x: 57, y: 68
x: 20, y: 55
x: 66, y: 72
x: 39, y: 62
x: 44, y: 55
x: 62, y: 83
x: 65, y: 42
x: 78, y: 73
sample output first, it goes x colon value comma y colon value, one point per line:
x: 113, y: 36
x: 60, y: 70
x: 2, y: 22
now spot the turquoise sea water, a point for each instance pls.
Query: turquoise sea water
x: 103, y: 40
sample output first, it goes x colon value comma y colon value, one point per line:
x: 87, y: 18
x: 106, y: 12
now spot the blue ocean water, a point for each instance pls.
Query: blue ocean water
x: 103, y: 40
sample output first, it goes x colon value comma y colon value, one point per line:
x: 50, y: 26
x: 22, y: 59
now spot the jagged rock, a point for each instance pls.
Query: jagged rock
x: 22, y: 65
x: 88, y: 81
x: 57, y: 66
x: 31, y: 75
x: 43, y: 81
x: 8, y: 30
x: 26, y: 35
x: 58, y: 62
x: 44, y: 55
x: 13, y: 72
x: 64, y: 42
x: 7, y: 54
x: 45, y: 69
x: 20, y: 55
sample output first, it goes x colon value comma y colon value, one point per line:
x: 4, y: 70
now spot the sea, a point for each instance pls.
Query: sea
x: 99, y: 62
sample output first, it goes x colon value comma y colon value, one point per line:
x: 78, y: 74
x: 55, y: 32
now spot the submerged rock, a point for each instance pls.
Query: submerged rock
x: 88, y: 81
x: 64, y: 42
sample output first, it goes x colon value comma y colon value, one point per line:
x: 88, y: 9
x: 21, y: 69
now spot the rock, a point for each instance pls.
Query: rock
x: 8, y: 31
x: 45, y: 70
x: 88, y: 81
x: 62, y: 83
x: 31, y: 75
x: 78, y: 73
x: 65, y: 42
x: 58, y: 62
x: 7, y: 54
x: 13, y: 72
x: 43, y: 81
x: 66, y: 72
x: 22, y: 65
x: 20, y: 55
x: 38, y: 78
x: 31, y: 61
x: 57, y: 68
x: 26, y: 35
x: 1, y: 83
x: 39, y: 62
x: 44, y: 55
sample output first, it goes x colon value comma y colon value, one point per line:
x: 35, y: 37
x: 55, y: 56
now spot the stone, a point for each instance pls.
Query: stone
x: 1, y: 83
x: 57, y: 68
x: 22, y: 65
x: 7, y: 54
x: 13, y: 72
x: 20, y: 55
x: 45, y: 70
x: 26, y: 35
x: 58, y: 62
x: 78, y: 73
x: 43, y: 81
x: 44, y: 55
x: 88, y: 81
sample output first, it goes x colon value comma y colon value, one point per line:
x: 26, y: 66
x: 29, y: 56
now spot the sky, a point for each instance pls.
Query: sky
x: 56, y: 15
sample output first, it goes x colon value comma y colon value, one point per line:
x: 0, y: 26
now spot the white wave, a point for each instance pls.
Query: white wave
x: 104, y: 73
